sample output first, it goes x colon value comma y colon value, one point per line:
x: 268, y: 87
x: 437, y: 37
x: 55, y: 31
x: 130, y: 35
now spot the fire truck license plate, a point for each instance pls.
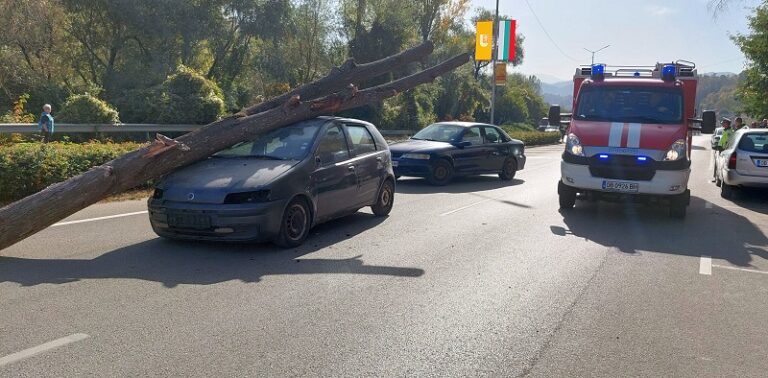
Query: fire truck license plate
x: 619, y: 186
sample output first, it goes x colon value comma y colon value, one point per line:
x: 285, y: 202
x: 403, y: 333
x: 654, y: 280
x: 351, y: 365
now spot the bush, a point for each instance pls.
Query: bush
x: 26, y: 168
x: 87, y: 109
x: 535, y: 138
x: 140, y: 105
x: 190, y: 98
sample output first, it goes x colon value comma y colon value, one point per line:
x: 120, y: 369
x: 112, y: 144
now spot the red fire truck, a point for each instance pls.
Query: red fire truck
x: 630, y: 135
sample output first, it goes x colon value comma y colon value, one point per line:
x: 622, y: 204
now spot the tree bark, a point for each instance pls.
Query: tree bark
x: 40, y: 210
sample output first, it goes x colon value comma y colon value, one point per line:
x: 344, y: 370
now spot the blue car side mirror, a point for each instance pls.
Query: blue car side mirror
x: 463, y: 143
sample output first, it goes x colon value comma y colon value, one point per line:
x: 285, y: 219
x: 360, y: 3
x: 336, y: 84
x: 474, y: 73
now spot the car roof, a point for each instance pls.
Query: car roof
x: 462, y: 124
x: 334, y: 118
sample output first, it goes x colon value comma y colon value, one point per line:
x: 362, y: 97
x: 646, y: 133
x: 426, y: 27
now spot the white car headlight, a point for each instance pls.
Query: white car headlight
x: 573, y: 145
x: 677, y: 151
x: 416, y: 156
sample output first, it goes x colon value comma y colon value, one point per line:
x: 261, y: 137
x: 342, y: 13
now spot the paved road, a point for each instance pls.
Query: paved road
x: 475, y: 279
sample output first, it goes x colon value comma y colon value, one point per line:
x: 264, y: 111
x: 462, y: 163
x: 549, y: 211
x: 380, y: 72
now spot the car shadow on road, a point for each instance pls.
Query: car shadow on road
x: 175, y: 263
x: 753, y: 199
x: 470, y: 184
x: 631, y: 228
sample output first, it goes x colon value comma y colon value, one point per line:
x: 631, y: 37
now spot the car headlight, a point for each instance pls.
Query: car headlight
x: 416, y: 156
x: 573, y: 145
x: 247, y: 197
x: 677, y: 151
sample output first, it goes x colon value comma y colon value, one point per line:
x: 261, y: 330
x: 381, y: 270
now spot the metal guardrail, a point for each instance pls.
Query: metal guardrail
x: 70, y: 128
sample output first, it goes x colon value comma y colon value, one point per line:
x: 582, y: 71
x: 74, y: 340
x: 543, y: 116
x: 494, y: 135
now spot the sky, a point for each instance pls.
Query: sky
x: 639, y: 32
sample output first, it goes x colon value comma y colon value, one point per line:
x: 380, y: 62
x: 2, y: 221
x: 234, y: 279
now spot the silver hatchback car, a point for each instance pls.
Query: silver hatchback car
x: 743, y: 162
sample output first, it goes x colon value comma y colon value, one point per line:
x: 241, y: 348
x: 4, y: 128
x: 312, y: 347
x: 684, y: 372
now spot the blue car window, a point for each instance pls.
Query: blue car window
x: 472, y: 135
x: 439, y: 132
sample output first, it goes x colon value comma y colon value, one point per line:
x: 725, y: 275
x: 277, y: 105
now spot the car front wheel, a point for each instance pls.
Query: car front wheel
x: 508, y: 170
x: 442, y: 173
x: 294, y: 226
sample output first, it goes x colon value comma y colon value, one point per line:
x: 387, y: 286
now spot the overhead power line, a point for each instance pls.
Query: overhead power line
x: 547, y: 33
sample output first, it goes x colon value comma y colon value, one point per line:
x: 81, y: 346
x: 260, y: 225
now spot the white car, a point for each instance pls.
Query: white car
x: 743, y: 162
x: 716, y: 136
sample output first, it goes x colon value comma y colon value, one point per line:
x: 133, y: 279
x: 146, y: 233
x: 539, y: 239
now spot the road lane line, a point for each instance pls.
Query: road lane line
x: 99, y: 218
x: 26, y: 353
x: 705, y: 265
x: 740, y: 269
x: 464, y: 208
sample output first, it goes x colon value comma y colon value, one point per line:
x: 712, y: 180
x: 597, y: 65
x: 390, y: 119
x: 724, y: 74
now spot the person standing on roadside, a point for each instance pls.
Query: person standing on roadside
x: 764, y: 124
x: 727, y: 134
x: 46, y: 123
x: 739, y: 124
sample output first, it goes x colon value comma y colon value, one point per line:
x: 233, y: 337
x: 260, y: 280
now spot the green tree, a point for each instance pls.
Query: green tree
x: 752, y: 90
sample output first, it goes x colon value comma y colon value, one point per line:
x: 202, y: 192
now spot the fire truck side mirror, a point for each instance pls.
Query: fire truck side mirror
x: 709, y: 122
x: 554, y: 116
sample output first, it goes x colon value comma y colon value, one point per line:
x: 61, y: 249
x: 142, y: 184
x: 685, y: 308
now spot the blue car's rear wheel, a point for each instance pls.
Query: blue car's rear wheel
x: 294, y: 226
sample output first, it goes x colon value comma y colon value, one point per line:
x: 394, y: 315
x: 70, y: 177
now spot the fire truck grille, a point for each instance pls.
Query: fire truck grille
x: 622, y: 168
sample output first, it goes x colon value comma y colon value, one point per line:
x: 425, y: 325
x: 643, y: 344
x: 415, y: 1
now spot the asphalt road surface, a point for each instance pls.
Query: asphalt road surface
x: 480, y: 278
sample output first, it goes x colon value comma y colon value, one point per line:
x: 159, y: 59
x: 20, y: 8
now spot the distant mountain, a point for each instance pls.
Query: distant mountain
x: 560, y: 93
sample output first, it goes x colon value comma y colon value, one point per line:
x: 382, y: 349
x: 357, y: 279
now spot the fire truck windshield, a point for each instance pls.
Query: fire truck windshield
x: 630, y: 104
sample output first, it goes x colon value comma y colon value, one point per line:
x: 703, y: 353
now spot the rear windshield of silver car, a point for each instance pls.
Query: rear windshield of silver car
x: 754, y: 142
x: 630, y: 105
x: 287, y: 143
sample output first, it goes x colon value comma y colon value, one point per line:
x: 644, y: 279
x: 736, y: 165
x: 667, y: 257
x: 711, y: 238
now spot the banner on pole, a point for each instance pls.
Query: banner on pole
x: 484, y: 41
x: 506, y: 42
x: 500, y: 74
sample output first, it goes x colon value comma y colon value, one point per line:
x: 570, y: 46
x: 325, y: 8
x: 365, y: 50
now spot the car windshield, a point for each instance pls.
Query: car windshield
x: 439, y: 132
x: 287, y: 143
x: 754, y: 142
x: 631, y: 104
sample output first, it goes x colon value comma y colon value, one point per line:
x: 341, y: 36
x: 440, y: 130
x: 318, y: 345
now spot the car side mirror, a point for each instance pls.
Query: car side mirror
x: 492, y: 138
x: 463, y: 143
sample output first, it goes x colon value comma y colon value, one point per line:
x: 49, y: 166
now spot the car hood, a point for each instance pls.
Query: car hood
x: 628, y: 135
x: 210, y: 181
x: 413, y: 145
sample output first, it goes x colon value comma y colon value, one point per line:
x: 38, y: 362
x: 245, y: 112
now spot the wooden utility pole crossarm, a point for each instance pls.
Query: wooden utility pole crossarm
x: 40, y: 210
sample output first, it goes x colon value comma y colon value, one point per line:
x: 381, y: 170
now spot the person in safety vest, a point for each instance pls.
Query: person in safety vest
x: 727, y: 134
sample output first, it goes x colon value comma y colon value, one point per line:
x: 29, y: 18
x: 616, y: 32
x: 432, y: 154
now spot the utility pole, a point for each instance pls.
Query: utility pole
x: 593, y: 52
x: 493, y: 59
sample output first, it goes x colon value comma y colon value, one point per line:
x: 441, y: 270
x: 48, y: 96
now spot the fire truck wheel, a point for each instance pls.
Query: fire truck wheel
x: 726, y: 191
x: 567, y: 196
x: 677, y: 209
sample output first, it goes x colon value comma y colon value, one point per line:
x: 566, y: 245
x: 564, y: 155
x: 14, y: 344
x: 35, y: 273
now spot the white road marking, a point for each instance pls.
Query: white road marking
x: 99, y: 218
x: 463, y: 208
x: 705, y: 265
x: 26, y: 353
x: 740, y: 269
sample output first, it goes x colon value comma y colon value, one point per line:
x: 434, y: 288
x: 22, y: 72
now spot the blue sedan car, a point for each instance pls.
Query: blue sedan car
x: 277, y: 187
x: 444, y: 150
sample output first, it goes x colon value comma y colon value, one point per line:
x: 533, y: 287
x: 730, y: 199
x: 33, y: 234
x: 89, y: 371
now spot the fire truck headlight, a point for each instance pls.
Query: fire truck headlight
x: 573, y: 145
x: 677, y: 151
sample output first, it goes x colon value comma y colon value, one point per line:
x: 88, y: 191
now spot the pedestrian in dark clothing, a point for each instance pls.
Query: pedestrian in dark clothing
x: 46, y: 123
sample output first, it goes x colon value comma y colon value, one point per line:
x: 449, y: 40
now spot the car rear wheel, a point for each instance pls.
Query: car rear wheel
x: 385, y: 200
x: 442, y: 173
x: 567, y: 196
x: 294, y: 226
x: 508, y: 170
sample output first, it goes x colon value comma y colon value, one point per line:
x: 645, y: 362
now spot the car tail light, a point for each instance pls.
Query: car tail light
x: 732, y: 161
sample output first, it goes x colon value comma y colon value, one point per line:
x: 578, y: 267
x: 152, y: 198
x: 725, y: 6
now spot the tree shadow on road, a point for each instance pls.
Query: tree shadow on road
x: 716, y: 232
x: 470, y: 184
x: 174, y: 263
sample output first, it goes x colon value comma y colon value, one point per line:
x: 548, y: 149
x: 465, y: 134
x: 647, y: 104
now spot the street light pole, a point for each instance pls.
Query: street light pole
x: 595, y: 52
x: 493, y: 60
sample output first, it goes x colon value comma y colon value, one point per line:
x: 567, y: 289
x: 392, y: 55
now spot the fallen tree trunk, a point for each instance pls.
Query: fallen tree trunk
x: 40, y: 210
